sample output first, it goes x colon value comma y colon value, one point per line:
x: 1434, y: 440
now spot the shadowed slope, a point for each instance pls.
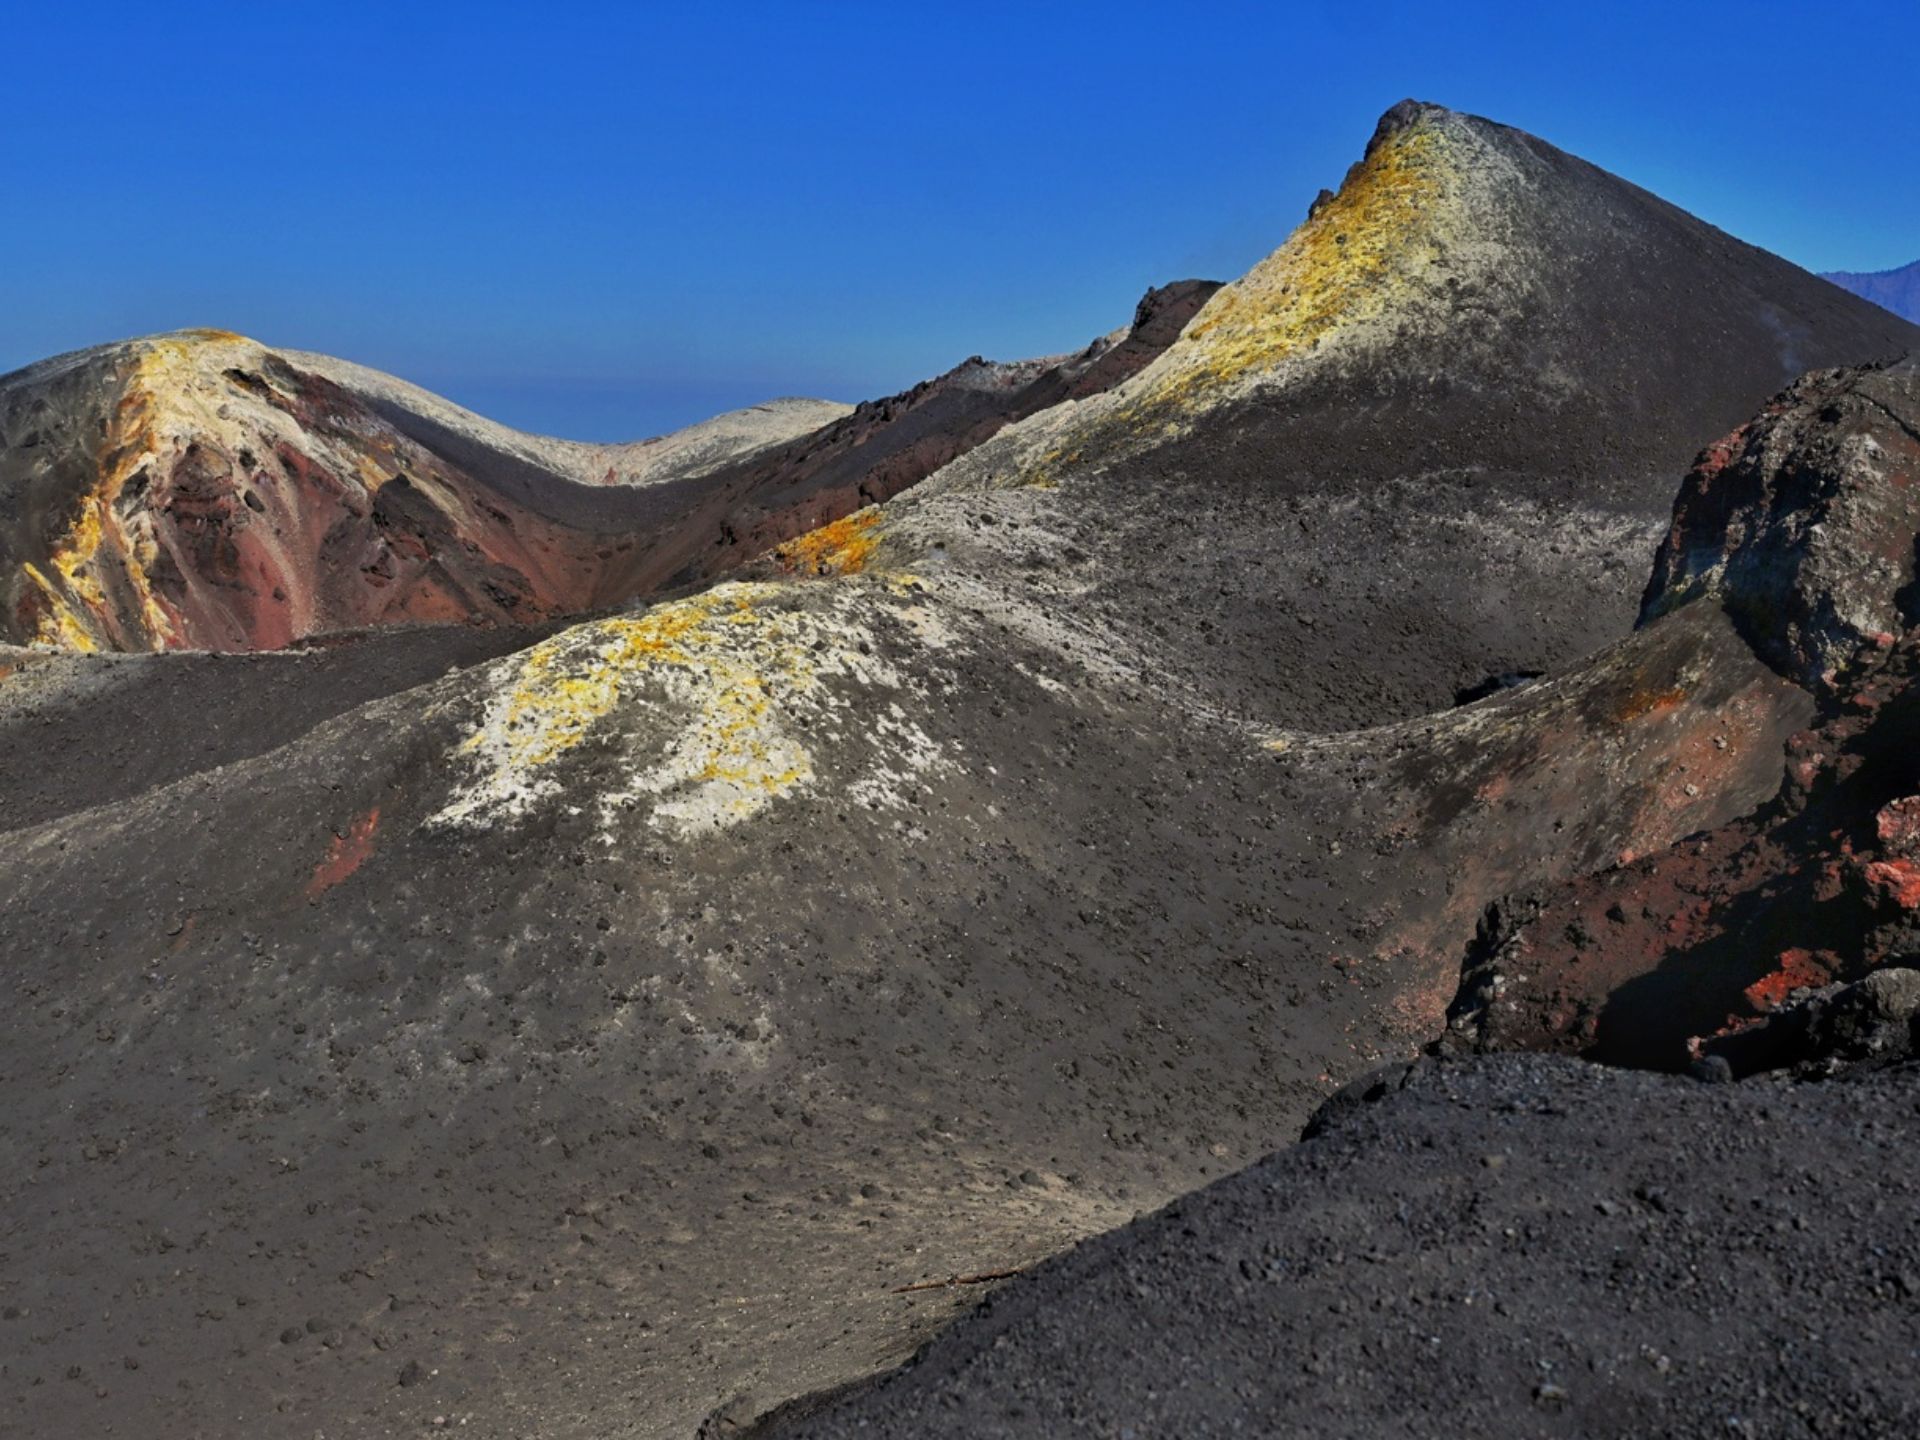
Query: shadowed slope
x: 1501, y: 1249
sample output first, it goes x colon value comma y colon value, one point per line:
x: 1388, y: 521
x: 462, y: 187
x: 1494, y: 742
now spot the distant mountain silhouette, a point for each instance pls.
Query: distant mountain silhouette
x: 1895, y: 290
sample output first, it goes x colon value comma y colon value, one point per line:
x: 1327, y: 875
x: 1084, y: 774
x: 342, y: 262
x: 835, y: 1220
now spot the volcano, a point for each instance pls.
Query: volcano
x: 893, y: 852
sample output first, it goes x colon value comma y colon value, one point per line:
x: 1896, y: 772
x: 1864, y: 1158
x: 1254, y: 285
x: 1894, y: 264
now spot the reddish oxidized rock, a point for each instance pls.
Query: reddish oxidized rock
x: 1898, y: 825
x: 346, y: 853
x: 1895, y: 881
x: 1797, y: 970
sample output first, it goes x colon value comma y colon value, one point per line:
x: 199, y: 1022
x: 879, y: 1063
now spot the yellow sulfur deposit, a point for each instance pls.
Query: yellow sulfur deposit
x: 1349, y: 261
x: 1364, y: 256
x: 840, y: 548
x: 699, y: 708
x: 569, y: 682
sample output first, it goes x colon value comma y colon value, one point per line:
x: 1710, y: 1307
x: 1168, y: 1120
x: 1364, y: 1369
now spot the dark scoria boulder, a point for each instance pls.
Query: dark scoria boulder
x: 1835, y: 1029
x: 1803, y: 521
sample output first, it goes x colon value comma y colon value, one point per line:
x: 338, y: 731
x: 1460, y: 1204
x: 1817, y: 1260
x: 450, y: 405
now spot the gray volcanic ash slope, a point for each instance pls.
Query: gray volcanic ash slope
x: 591, y: 1038
x: 1433, y: 437
x: 1895, y: 290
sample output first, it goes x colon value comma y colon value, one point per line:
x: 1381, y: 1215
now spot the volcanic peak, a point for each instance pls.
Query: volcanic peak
x: 1422, y: 217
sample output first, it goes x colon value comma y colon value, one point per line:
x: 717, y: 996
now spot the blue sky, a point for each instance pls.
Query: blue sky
x: 605, y: 221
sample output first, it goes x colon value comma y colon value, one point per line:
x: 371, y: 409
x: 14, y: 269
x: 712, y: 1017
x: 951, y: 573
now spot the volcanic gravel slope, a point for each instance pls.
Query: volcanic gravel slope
x: 1897, y: 290
x: 1517, y: 1246
x: 588, y: 1040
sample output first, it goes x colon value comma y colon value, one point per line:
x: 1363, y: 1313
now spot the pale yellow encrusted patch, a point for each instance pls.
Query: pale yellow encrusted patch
x: 710, y: 692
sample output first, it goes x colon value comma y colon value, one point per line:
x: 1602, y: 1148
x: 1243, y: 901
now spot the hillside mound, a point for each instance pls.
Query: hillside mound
x: 1500, y: 1248
x: 201, y: 491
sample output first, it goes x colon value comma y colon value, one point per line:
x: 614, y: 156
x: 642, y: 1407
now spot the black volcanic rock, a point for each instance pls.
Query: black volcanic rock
x: 1802, y: 522
x: 1845, y: 1029
x: 1895, y: 290
x: 1514, y: 1247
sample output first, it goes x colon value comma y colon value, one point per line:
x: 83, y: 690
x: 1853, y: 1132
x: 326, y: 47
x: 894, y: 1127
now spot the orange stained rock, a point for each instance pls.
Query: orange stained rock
x: 346, y: 853
x: 1648, y: 702
x: 1797, y: 969
x: 841, y: 548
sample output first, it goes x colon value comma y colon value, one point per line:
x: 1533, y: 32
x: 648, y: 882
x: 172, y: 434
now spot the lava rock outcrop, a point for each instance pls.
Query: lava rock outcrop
x: 1804, y: 527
